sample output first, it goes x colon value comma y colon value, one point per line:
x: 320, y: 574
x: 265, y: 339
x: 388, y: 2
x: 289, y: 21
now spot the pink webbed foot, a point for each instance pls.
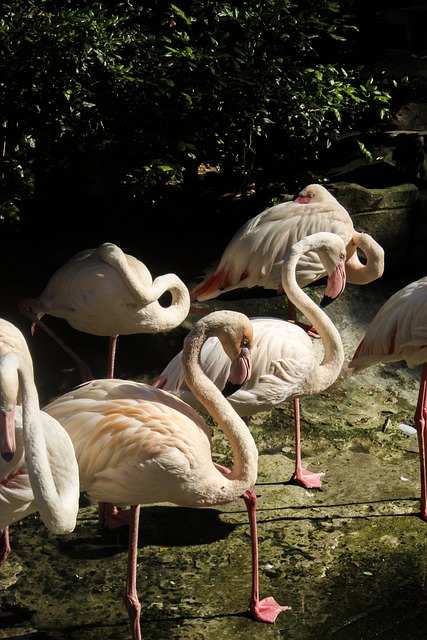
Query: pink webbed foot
x: 308, y: 479
x: 111, y: 517
x: 266, y: 610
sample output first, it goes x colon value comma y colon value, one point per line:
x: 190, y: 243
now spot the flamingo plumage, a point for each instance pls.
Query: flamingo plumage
x: 105, y: 292
x: 38, y: 466
x: 254, y: 256
x: 136, y: 444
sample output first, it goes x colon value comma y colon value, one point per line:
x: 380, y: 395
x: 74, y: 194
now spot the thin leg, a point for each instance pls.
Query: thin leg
x: 268, y: 609
x: 301, y: 476
x: 4, y: 552
x: 420, y: 423
x: 111, y: 356
x: 4, y: 545
x: 85, y: 372
x: 132, y: 603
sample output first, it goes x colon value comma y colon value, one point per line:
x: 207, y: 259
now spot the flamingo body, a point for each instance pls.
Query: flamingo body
x: 283, y: 360
x: 106, y: 292
x: 399, y: 332
x: 140, y: 445
x: 254, y: 255
x: 38, y: 467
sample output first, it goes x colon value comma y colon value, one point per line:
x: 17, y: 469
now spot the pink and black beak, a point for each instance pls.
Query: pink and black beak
x: 7, y: 434
x: 335, y: 284
x: 240, y: 372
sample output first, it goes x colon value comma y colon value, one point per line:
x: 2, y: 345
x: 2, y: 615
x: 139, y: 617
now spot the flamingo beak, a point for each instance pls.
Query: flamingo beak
x: 335, y: 285
x: 240, y: 372
x: 7, y: 434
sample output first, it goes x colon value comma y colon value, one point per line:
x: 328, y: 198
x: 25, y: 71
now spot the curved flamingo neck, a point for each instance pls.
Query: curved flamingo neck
x: 245, y: 452
x: 54, y: 508
x: 325, y: 373
x: 358, y: 272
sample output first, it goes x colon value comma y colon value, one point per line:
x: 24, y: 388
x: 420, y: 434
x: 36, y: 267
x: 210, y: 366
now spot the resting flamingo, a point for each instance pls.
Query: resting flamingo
x: 38, y: 466
x: 106, y: 292
x: 255, y: 254
x: 11, y: 339
x: 399, y: 332
x: 284, y: 362
x: 136, y: 444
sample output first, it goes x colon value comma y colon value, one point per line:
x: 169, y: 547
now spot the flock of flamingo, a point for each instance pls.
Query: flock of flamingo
x: 126, y: 443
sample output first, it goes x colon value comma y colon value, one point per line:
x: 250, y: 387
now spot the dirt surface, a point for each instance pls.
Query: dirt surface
x: 350, y: 559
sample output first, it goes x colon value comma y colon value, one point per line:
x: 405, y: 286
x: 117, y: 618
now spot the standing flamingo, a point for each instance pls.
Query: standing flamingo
x: 399, y: 332
x: 11, y: 339
x: 38, y: 466
x: 106, y: 292
x: 136, y: 444
x: 284, y: 362
x: 254, y: 256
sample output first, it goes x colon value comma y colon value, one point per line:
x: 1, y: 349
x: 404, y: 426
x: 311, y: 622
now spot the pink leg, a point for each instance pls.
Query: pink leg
x: 4, y: 545
x: 301, y: 476
x: 85, y: 372
x: 111, y: 356
x: 132, y: 603
x: 4, y: 552
x: 268, y: 609
x: 420, y: 423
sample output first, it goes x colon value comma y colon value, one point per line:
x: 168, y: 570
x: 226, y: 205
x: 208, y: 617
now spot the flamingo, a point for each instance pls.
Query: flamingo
x: 284, y: 362
x: 136, y: 444
x: 106, y: 292
x: 254, y: 256
x: 38, y: 466
x: 398, y: 332
x: 11, y: 339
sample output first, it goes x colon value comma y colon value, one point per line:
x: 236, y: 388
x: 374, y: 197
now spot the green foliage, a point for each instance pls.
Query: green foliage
x: 114, y: 100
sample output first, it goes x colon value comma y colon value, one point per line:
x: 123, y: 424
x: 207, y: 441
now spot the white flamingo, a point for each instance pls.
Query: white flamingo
x: 136, y: 444
x: 284, y: 362
x: 254, y: 255
x: 399, y: 332
x: 106, y: 292
x: 38, y: 466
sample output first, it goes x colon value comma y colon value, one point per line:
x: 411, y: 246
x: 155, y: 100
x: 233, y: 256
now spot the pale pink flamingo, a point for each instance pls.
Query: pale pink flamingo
x: 136, y: 444
x: 106, y: 292
x: 399, y: 332
x: 284, y: 362
x: 255, y: 254
x: 38, y: 466
x: 11, y: 339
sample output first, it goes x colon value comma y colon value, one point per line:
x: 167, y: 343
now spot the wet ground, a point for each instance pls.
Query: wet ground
x: 350, y: 559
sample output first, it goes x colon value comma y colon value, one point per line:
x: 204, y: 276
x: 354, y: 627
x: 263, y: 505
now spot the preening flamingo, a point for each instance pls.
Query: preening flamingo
x: 399, y: 332
x: 106, y: 292
x: 284, y: 362
x: 11, y: 339
x: 255, y: 254
x: 136, y: 444
x: 41, y: 474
